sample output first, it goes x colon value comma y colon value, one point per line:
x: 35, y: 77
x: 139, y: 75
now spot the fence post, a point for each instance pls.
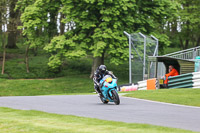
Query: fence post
x: 129, y: 40
x: 194, y: 53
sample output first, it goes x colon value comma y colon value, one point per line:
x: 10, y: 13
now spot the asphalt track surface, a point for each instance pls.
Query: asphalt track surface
x: 131, y: 110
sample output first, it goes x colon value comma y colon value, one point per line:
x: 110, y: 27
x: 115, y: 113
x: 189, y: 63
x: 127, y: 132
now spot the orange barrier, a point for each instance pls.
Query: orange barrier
x: 151, y: 84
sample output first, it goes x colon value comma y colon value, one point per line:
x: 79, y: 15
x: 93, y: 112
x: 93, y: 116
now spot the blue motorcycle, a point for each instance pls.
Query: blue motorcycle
x: 108, y: 87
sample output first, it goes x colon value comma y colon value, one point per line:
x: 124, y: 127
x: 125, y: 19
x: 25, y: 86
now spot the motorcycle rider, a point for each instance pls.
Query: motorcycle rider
x: 100, y: 72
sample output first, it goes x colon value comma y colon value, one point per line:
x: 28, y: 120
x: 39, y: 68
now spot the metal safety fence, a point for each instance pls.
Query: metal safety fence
x: 187, y: 54
x: 140, y: 47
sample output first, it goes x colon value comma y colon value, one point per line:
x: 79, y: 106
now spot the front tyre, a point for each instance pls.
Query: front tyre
x: 115, y: 97
x: 103, y: 101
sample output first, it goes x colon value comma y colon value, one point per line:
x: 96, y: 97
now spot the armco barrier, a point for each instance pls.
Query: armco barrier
x: 189, y: 80
x: 142, y: 85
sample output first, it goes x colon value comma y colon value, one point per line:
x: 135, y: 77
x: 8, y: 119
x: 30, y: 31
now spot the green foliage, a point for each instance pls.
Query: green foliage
x: 34, y: 18
x: 15, y: 67
x: 61, y: 47
x: 31, y: 18
x: 170, y: 50
x: 99, y: 26
x: 3, y: 18
x: 103, y: 23
x: 22, y: 4
x: 94, y: 26
x: 183, y: 25
x: 55, y: 63
x: 162, y: 15
x: 2, y: 10
x: 164, y: 41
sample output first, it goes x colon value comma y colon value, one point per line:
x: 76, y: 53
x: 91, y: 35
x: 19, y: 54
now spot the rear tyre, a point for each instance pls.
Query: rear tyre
x: 115, y: 97
x: 103, y: 101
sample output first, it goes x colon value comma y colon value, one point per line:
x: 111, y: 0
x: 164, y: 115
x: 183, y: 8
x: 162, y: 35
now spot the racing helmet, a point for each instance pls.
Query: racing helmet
x: 102, y: 69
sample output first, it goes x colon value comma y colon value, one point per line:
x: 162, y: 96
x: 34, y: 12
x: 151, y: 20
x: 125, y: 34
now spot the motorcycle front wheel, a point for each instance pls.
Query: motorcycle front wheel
x: 103, y: 101
x: 115, y: 97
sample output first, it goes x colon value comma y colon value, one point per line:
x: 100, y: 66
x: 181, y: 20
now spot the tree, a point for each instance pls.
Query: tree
x: 12, y: 26
x: 184, y: 27
x: 62, y: 25
x: 93, y: 27
x: 52, y: 10
x: 39, y: 18
x: 59, y: 49
x: 42, y: 14
x: 3, y: 22
x: 2, y: 17
x: 33, y: 19
x: 99, y: 25
x: 190, y: 19
x: 4, y: 50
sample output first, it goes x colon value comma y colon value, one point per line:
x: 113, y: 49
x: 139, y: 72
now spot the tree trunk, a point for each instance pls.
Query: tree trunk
x: 12, y: 26
x: 12, y: 40
x: 0, y: 25
x: 27, y: 58
x: 35, y: 48
x: 19, y: 23
x: 186, y: 43
x: 35, y: 51
x: 4, y: 54
x: 97, y: 61
x: 52, y: 27
x: 174, y: 27
x: 62, y: 25
x: 198, y: 41
x: 181, y: 42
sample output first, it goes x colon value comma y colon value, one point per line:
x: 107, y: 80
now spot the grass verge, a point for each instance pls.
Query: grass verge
x: 72, y: 84
x: 18, y: 121
x: 177, y: 96
x: 32, y: 87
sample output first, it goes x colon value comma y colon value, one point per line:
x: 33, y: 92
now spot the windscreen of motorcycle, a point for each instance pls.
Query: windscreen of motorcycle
x: 107, y: 78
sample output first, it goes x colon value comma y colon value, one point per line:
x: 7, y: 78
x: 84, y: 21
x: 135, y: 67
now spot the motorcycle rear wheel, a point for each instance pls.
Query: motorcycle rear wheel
x: 115, y: 97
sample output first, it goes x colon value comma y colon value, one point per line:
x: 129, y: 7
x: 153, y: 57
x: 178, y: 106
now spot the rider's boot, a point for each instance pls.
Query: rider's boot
x: 98, y: 91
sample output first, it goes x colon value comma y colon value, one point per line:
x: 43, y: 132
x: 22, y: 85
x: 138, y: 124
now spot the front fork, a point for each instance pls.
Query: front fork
x: 108, y: 95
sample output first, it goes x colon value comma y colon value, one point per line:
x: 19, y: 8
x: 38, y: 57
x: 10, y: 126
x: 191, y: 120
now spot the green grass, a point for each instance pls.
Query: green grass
x: 72, y: 84
x: 73, y: 77
x: 15, y: 68
x: 64, y: 85
x: 177, y: 96
x: 18, y: 121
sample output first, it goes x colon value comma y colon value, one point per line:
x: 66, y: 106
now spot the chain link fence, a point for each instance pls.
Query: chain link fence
x: 140, y: 47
